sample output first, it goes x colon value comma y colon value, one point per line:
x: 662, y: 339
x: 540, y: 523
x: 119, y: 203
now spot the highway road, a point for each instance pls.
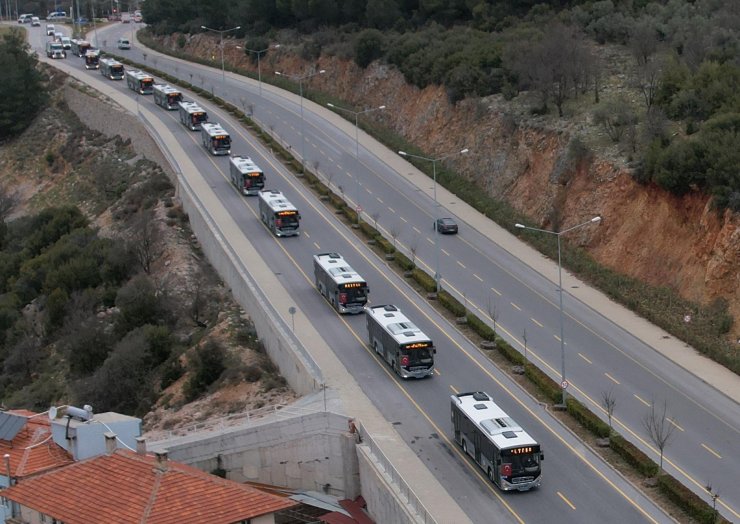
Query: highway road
x: 577, y: 485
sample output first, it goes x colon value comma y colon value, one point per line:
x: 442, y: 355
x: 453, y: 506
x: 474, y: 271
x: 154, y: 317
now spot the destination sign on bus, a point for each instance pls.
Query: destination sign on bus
x: 350, y: 285
x: 418, y: 345
x: 220, y: 137
x: 286, y: 213
x: 521, y: 451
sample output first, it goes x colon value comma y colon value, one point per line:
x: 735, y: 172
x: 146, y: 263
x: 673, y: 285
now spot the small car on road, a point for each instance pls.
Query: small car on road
x: 124, y: 43
x: 50, y: 29
x: 446, y: 225
x: 36, y: 21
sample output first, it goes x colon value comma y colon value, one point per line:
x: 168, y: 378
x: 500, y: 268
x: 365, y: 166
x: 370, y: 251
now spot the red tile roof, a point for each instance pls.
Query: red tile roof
x: 125, y: 487
x: 33, y: 450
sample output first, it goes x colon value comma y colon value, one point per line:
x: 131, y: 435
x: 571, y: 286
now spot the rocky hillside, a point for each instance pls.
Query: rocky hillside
x: 532, y: 162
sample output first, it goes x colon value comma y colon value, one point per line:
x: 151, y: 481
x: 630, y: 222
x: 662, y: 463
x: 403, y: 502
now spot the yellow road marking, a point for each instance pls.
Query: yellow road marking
x: 535, y: 321
x: 379, y: 200
x: 416, y: 229
x: 584, y: 357
x: 317, y: 245
x: 436, y: 372
x: 611, y: 378
x: 403, y: 219
x: 675, y: 424
x: 430, y: 240
x: 568, y: 502
x: 454, y: 389
x: 496, y: 291
x: 515, y: 306
x: 392, y: 210
x: 444, y: 251
x: 476, y: 276
x: 461, y: 264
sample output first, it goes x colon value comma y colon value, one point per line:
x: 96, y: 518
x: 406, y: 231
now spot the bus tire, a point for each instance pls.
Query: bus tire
x: 464, y: 446
x: 490, y: 474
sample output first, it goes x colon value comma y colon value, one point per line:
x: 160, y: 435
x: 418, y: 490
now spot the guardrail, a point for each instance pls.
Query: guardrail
x: 404, y: 490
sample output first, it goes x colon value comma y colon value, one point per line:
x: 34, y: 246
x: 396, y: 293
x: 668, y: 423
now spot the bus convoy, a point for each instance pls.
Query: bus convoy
x: 405, y: 347
x: 140, y: 82
x: 504, y: 451
x: 510, y: 457
x: 246, y: 176
x: 192, y: 115
x: 341, y: 285
x: 167, y: 96
x: 278, y: 214
x: 215, y: 138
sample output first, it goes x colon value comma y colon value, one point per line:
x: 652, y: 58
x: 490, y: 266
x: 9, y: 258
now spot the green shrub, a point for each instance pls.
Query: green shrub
x: 697, y: 508
x: 351, y: 214
x: 546, y: 385
x: 587, y: 419
x: 633, y: 456
x: 386, y: 246
x: 481, y: 328
x: 403, y: 261
x: 451, y: 303
x: 424, y: 280
x: 368, y: 47
x: 207, y: 364
x: 368, y: 230
x: 337, y: 201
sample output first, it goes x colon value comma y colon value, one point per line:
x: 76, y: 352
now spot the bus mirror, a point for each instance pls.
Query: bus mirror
x: 542, y: 456
x: 434, y: 351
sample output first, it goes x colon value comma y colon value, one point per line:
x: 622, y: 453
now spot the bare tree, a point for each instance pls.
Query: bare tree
x: 616, y: 117
x: 413, y: 248
x: 524, y: 338
x: 714, y: 496
x: 145, y: 241
x: 394, y: 232
x: 659, y: 428
x: 493, y: 313
x: 608, y: 402
x: 643, y: 41
x: 647, y: 80
x: 199, y: 302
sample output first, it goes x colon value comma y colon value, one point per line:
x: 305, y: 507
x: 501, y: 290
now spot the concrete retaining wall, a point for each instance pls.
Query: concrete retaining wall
x: 311, y: 452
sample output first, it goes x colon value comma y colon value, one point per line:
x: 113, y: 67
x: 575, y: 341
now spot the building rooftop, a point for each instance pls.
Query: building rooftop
x: 29, y: 444
x: 125, y: 486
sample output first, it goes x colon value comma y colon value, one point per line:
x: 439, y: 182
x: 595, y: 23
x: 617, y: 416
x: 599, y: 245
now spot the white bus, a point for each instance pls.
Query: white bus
x: 112, y: 69
x: 167, y: 96
x: 278, y: 214
x: 215, y: 139
x: 140, y: 82
x: 399, y: 342
x: 192, y: 115
x: 508, y: 455
x: 79, y: 47
x: 342, y: 286
x: 246, y: 176
x: 92, y: 59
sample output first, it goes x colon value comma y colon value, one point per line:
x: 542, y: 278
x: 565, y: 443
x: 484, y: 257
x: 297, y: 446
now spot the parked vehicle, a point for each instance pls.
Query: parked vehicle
x: 56, y: 15
x: 25, y: 19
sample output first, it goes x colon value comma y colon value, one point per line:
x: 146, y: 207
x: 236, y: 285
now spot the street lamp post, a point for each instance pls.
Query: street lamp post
x: 558, y: 234
x: 437, y: 276
x: 357, y: 144
x: 223, y: 68
x: 300, y: 80
x: 259, y: 71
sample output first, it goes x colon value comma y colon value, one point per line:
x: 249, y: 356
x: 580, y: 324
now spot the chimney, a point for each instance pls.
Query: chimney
x: 110, y: 442
x: 161, y: 459
x: 140, y: 446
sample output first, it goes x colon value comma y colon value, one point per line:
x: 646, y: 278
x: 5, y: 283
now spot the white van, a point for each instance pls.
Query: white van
x: 25, y: 19
x: 124, y: 43
x: 56, y: 15
x: 66, y: 43
x: 50, y: 30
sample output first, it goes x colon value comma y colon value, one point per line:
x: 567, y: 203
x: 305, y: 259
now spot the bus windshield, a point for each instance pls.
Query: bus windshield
x: 173, y: 99
x: 116, y: 69
x: 522, y: 463
x: 353, y: 293
x: 147, y: 83
x: 198, y: 117
x: 286, y: 219
x: 221, y: 142
x: 417, y: 354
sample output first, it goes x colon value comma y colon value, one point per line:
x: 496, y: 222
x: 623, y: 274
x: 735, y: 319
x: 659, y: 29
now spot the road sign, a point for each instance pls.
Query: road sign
x: 564, y: 384
x: 358, y: 209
